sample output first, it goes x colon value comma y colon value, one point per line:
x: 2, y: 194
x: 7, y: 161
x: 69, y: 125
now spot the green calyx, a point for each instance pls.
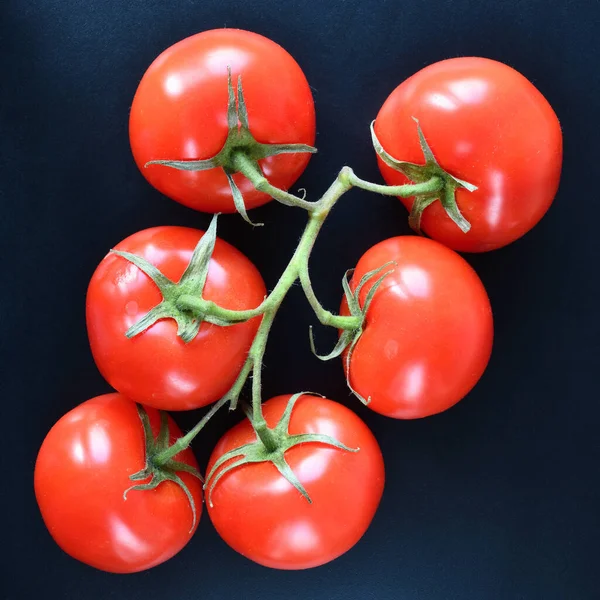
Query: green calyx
x: 349, y: 337
x: 270, y: 446
x: 182, y: 301
x: 423, y: 173
x: 240, y: 153
x: 157, y: 471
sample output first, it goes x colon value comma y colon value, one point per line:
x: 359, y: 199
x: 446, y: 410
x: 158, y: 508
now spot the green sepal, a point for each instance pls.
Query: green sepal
x: 420, y: 203
x: 160, y: 311
x: 167, y: 471
x: 163, y: 283
x: 266, y: 150
x: 256, y: 452
x: 239, y: 141
x: 238, y: 199
x: 344, y: 340
x: 422, y: 173
x: 191, y: 284
x: 242, y: 110
x: 196, y: 272
x: 350, y: 337
x: 186, y: 165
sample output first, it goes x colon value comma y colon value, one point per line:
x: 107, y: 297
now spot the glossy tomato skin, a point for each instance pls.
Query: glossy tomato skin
x: 81, y: 472
x: 156, y: 367
x: 428, y: 333
x: 260, y: 515
x: 179, y: 112
x: 488, y: 125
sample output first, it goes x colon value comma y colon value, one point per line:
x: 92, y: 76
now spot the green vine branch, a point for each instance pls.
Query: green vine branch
x: 297, y: 269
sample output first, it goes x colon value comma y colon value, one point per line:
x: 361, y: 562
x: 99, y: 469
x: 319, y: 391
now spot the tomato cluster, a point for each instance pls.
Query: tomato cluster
x: 177, y: 318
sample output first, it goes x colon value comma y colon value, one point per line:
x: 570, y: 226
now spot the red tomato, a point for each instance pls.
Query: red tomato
x: 81, y: 472
x: 488, y: 125
x: 180, y: 113
x: 428, y: 332
x: 156, y: 367
x: 262, y: 516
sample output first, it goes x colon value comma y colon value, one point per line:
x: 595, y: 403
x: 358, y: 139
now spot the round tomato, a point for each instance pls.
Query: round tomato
x: 428, y: 331
x: 157, y: 367
x: 81, y: 473
x: 262, y: 516
x: 179, y: 112
x: 488, y: 125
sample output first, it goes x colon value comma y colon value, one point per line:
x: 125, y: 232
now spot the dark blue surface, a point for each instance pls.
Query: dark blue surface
x: 499, y: 498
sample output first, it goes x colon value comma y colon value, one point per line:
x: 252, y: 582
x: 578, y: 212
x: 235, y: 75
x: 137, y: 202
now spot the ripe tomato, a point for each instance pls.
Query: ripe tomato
x: 82, y: 470
x: 179, y: 112
x: 262, y: 516
x: 428, y: 332
x: 156, y: 367
x: 488, y: 125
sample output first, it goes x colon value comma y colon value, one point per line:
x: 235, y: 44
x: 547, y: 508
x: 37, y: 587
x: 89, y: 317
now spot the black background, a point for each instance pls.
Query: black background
x: 498, y: 497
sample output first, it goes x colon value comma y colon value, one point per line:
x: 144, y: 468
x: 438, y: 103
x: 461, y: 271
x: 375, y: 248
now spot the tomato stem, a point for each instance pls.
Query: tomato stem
x: 435, y: 184
x: 325, y: 316
x: 297, y: 269
x: 184, y: 441
x: 251, y: 170
x: 298, y: 264
x: 205, y: 307
x: 231, y: 397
